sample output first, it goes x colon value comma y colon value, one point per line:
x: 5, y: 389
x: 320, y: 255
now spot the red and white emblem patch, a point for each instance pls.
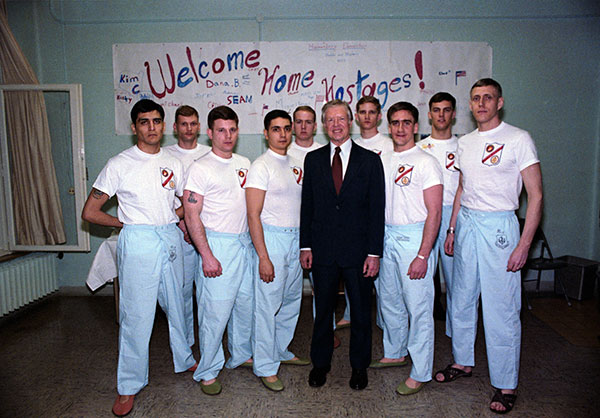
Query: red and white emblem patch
x: 167, y: 178
x: 242, y: 174
x: 297, y: 174
x: 450, y: 160
x: 403, y: 175
x: 492, y: 154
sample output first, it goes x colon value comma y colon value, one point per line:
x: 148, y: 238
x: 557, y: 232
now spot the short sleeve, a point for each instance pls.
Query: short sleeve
x: 526, y: 153
x: 432, y: 173
x: 108, y: 179
x: 258, y: 175
x: 196, y: 179
x: 181, y: 176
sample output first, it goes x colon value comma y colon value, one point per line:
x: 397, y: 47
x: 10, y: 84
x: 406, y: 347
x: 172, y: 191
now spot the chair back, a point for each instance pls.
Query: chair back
x: 541, y: 237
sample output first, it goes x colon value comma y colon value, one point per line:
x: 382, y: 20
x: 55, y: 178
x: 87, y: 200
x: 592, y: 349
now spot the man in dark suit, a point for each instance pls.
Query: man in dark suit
x: 341, y: 236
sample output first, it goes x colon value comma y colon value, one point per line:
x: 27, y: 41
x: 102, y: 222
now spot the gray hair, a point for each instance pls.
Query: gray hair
x: 336, y: 102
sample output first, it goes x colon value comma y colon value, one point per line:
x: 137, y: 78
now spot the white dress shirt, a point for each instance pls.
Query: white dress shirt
x: 345, y: 149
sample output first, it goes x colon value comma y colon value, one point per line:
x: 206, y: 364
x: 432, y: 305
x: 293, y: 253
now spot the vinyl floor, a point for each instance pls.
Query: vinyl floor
x: 58, y: 359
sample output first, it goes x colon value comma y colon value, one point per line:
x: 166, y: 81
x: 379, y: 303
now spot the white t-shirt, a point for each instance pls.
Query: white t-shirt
x: 444, y: 150
x: 145, y: 185
x: 407, y: 174
x: 221, y: 182
x: 299, y: 153
x: 491, y: 163
x: 281, y: 177
x: 187, y: 156
x: 379, y: 143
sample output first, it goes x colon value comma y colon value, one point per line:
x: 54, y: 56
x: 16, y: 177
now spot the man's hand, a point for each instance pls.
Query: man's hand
x: 306, y: 259
x: 371, y: 266
x: 266, y: 270
x: 211, y: 267
x: 517, y: 259
x: 449, y: 244
x: 417, y: 269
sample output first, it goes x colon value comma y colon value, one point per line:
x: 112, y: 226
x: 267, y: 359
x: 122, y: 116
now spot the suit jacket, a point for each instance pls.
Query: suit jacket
x: 343, y: 229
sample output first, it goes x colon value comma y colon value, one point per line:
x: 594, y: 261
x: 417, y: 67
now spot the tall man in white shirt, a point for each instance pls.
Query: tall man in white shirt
x: 304, y: 127
x: 273, y: 195
x: 215, y: 214
x: 368, y: 116
x: 413, y: 209
x: 146, y: 181
x: 494, y: 161
x: 187, y: 149
x: 442, y: 145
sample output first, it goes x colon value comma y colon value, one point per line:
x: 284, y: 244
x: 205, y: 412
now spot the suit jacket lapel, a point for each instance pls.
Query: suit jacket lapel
x: 352, y: 169
x: 326, y: 165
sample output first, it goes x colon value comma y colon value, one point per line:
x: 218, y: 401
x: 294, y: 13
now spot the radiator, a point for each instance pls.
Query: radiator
x: 26, y: 279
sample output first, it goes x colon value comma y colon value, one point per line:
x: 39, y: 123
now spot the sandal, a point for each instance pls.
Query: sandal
x: 506, y: 399
x: 451, y: 374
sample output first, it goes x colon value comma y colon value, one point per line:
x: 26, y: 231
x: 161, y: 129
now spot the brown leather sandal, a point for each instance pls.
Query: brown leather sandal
x: 506, y: 399
x: 451, y: 374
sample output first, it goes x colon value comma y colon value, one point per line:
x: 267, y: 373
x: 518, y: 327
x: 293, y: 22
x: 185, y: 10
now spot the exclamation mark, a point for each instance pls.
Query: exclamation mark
x: 419, y: 67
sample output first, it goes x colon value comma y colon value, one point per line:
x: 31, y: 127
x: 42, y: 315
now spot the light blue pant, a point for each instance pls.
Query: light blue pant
x: 446, y: 263
x: 347, y: 309
x: 150, y: 268
x: 225, y: 301
x: 483, y: 244
x: 190, y: 269
x: 277, y: 303
x: 406, y: 305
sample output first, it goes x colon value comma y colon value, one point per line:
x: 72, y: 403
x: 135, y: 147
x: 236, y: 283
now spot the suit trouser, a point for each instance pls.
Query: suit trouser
x: 407, y: 304
x: 314, y: 303
x: 150, y: 269
x: 446, y: 263
x: 190, y: 269
x: 277, y: 303
x: 225, y: 301
x: 326, y: 279
x: 378, y: 318
x: 483, y: 244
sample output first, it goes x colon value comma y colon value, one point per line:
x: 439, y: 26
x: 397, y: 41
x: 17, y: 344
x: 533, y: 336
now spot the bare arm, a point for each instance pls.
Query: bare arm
x: 92, y: 210
x: 181, y: 224
x: 192, y: 203
x: 255, y: 199
x: 433, y: 197
x: 186, y: 235
x: 179, y: 211
x: 449, y: 243
x: 532, y: 179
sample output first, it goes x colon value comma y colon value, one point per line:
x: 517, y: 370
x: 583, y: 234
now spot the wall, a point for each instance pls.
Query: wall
x: 545, y: 55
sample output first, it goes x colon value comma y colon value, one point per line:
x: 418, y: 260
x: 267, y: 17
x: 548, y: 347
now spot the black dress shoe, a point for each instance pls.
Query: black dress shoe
x: 359, y: 379
x: 318, y: 376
